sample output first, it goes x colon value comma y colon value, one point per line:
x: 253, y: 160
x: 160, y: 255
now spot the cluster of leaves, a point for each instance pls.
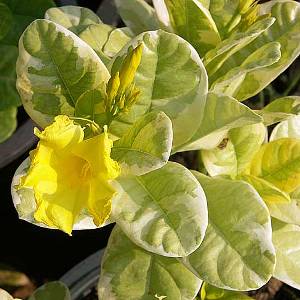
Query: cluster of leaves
x: 15, y: 16
x: 176, y: 228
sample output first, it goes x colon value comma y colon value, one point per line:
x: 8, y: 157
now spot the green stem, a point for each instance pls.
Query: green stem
x: 294, y: 82
x: 93, y: 123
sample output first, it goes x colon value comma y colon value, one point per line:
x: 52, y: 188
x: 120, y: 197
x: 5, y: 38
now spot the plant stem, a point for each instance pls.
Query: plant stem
x: 292, y: 85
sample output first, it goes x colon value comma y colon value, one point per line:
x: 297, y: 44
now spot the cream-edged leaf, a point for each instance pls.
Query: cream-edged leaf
x: 146, y: 146
x: 192, y: 21
x: 278, y: 162
x: 234, y: 82
x: 239, y: 236
x: 74, y: 18
x: 163, y: 211
x: 280, y: 109
x: 138, y: 15
x: 54, y: 68
x: 284, y: 31
x: 287, y: 212
x: 286, y: 241
x: 130, y: 272
x: 268, y: 192
x: 171, y: 78
x: 220, y: 114
x: 233, y: 155
x: 209, y: 292
x: 287, y: 129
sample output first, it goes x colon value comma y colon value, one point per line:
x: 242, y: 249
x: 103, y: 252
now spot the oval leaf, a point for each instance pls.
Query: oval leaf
x: 138, y: 15
x: 279, y: 163
x: 235, y: 152
x: 54, y: 68
x: 216, y: 57
x: 287, y: 129
x: 146, y: 146
x: 287, y: 212
x: 163, y: 211
x: 284, y: 31
x: 280, y: 109
x: 192, y: 21
x: 129, y: 272
x: 286, y: 240
x: 96, y: 35
x: 74, y: 18
x: 211, y: 129
x: 235, y: 79
x: 50, y: 291
x: 239, y: 236
x: 171, y: 78
x: 209, y: 292
x: 8, y: 123
x: 269, y: 192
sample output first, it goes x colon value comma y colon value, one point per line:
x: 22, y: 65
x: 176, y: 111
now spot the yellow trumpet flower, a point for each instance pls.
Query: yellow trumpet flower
x: 69, y: 174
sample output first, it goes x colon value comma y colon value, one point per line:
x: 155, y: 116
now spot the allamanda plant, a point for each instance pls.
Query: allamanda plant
x: 115, y: 106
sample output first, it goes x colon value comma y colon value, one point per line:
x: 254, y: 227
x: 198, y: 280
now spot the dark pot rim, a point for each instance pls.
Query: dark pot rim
x: 21, y: 141
x: 84, y: 276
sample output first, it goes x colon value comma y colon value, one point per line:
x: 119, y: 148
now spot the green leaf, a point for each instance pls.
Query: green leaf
x: 287, y: 212
x: 163, y: 211
x: 129, y: 272
x: 54, y: 68
x: 138, y: 15
x: 238, y: 239
x: 278, y: 162
x: 287, y: 129
x: 209, y: 292
x: 25, y: 203
x: 50, y: 291
x: 285, y: 31
x: 74, y: 18
x: 6, y: 20
x: 106, y: 40
x: 280, y: 109
x: 15, y: 16
x: 286, y: 240
x: 233, y: 155
x: 117, y: 39
x: 269, y: 192
x: 96, y: 36
x: 8, y: 123
x: 216, y: 57
x: 225, y: 14
x: 146, y: 146
x: 220, y: 114
x: 8, y: 94
x: 171, y: 78
x: 23, y: 12
x: 90, y: 105
x: 234, y: 82
x: 5, y: 296
x: 191, y: 20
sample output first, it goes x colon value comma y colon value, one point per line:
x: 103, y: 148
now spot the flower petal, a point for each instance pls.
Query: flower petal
x: 61, y: 134
x: 96, y: 151
x: 59, y: 190
x: 99, y: 201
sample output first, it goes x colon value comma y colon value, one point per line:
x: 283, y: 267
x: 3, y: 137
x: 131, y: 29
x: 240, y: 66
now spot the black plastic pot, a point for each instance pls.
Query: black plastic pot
x: 83, y: 278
